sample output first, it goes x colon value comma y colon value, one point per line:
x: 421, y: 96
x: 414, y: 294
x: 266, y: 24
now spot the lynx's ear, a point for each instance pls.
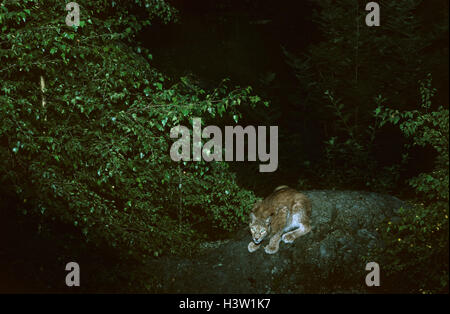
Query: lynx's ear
x: 257, y: 203
x: 252, y: 217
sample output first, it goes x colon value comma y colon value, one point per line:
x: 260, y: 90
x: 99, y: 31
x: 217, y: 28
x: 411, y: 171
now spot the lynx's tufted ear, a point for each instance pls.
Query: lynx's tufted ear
x: 257, y: 203
x: 252, y: 217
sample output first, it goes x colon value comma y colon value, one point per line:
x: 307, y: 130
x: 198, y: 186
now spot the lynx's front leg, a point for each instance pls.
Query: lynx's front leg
x: 278, y: 223
x: 252, y: 247
x: 274, y: 244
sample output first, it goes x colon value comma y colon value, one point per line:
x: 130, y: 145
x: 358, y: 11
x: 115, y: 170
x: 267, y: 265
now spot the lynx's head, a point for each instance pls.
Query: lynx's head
x: 259, y: 227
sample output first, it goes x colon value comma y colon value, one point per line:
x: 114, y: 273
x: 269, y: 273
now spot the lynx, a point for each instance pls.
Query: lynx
x: 284, y: 216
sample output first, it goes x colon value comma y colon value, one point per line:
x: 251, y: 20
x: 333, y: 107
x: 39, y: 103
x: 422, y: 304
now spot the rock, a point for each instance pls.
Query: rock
x: 328, y: 259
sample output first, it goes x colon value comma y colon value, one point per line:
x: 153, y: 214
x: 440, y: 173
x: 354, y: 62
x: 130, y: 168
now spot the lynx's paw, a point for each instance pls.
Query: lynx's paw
x: 288, y: 238
x: 252, y: 247
x: 269, y: 249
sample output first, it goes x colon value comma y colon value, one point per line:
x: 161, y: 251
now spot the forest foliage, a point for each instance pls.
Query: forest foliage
x: 379, y: 85
x: 418, y: 240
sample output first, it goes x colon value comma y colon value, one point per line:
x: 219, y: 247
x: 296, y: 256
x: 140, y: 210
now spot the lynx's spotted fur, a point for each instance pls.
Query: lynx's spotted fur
x: 283, y: 216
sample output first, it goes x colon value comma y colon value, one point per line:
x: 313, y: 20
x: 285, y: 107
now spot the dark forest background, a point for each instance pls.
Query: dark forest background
x: 85, y: 115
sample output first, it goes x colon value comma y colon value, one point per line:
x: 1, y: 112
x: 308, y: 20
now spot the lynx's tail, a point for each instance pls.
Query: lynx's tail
x: 281, y: 187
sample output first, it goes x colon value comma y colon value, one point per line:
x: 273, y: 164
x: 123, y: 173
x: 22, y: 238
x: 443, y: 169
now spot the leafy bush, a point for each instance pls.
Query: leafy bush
x: 416, y: 253
x: 84, y: 129
x: 349, y: 155
x: 354, y: 64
